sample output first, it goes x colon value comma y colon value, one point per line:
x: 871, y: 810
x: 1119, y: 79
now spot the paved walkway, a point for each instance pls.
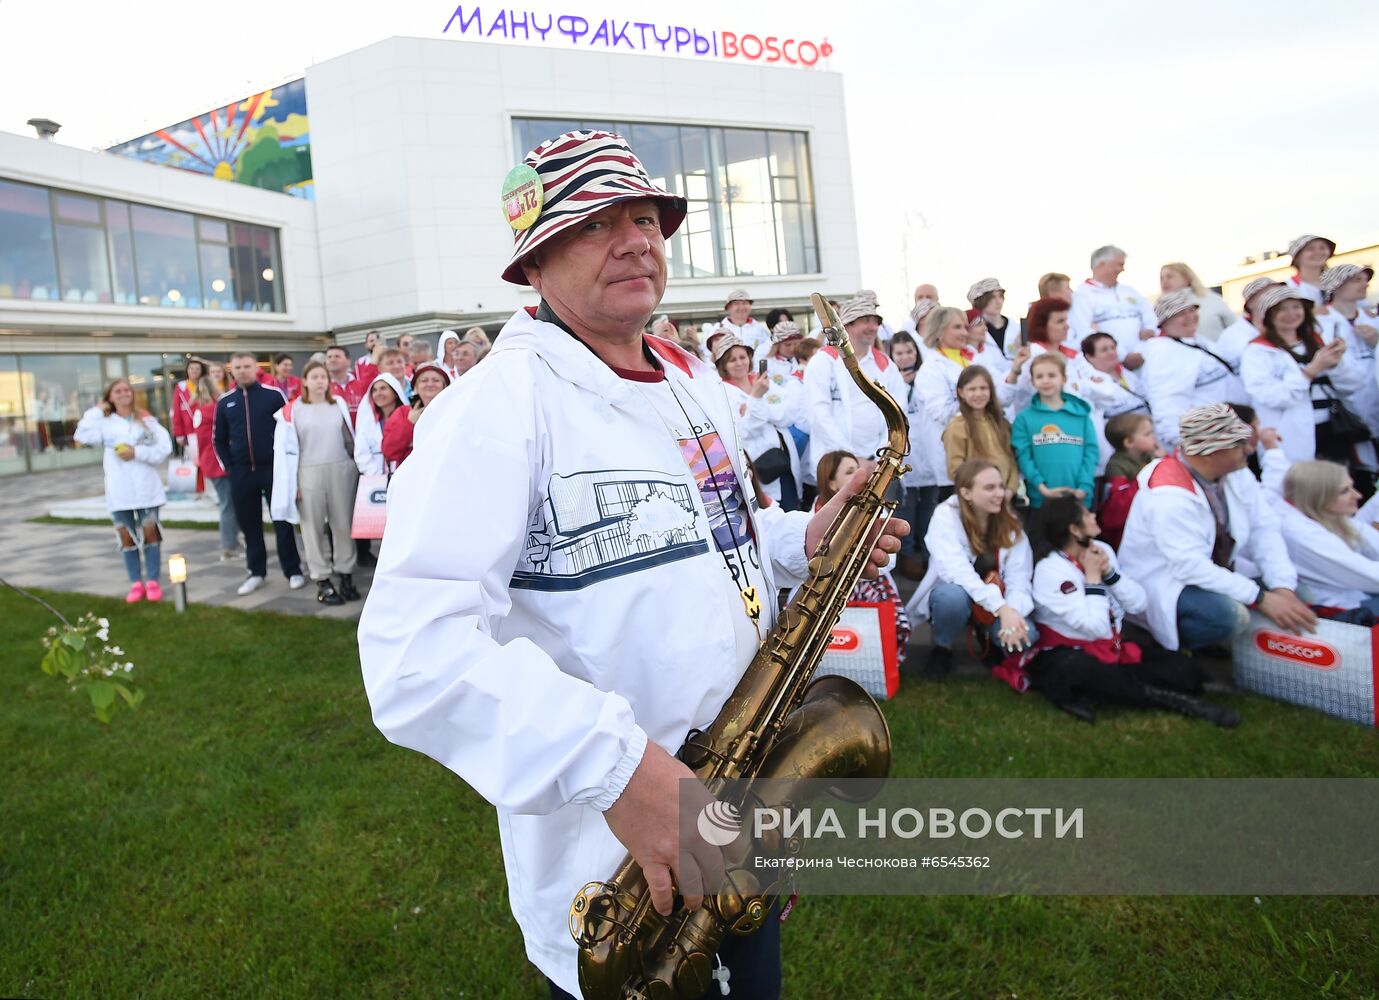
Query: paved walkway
x: 83, y: 558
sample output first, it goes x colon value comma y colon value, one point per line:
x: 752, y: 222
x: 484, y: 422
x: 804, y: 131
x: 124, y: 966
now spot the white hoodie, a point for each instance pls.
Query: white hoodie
x: 535, y: 652
x: 136, y: 484
x: 368, y: 431
x: 446, y: 337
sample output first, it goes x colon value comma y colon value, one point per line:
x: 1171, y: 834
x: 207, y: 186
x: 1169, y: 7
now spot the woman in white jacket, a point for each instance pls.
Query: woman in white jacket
x: 313, y: 467
x: 385, y: 395
x: 1179, y: 373
x: 768, y: 443
x: 1081, y: 598
x: 134, y: 446
x: 1293, y: 375
x: 979, y: 570
x: 1110, y: 387
x: 1336, y: 552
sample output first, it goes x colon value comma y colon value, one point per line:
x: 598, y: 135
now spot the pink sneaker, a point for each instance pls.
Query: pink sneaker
x: 153, y: 591
x: 136, y: 593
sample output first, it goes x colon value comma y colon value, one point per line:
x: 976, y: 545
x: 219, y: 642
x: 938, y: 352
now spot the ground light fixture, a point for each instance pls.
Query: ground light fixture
x: 177, y: 573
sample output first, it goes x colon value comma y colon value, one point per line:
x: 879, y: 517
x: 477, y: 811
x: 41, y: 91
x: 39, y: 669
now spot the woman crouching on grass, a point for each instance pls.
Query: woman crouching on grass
x: 979, y: 571
x: 1080, y: 600
x: 135, y: 445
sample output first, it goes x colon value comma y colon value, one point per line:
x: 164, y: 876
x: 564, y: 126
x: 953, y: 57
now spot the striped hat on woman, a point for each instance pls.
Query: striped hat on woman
x: 1275, y: 295
x: 1296, y: 246
x: 1334, y: 277
x: 563, y: 181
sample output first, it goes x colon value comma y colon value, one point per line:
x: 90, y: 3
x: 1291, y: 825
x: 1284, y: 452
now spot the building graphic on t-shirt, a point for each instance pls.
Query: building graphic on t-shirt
x: 598, y: 525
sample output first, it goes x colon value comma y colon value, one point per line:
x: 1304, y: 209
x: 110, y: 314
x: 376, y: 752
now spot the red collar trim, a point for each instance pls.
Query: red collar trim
x: 1172, y: 472
x: 1265, y: 342
x: 672, y: 353
x: 879, y: 356
x: 1068, y: 352
x: 659, y: 375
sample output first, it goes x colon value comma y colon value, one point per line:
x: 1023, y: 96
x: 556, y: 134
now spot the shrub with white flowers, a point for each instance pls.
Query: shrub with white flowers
x: 82, y: 654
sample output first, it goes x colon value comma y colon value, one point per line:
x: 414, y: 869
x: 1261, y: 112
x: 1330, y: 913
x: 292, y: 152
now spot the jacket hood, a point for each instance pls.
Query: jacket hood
x: 576, y: 363
x: 1071, y: 403
x: 396, y: 386
x: 446, y: 336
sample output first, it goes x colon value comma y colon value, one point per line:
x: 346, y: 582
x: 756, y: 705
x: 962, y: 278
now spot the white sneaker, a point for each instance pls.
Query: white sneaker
x: 296, y: 582
x: 231, y: 555
x: 250, y: 585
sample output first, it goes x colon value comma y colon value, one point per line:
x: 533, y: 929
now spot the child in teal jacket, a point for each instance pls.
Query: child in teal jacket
x: 1055, y: 438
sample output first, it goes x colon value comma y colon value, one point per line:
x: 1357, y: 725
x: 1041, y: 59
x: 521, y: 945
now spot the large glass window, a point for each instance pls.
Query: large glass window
x: 148, y: 377
x: 27, y: 266
x: 12, y: 429
x: 57, y: 390
x: 60, y: 245
x: 82, y: 263
x: 749, y: 192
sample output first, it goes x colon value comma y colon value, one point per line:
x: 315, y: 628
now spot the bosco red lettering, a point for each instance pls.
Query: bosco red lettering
x: 843, y: 640
x: 755, y: 41
x: 1295, y: 649
x: 785, y: 50
x: 809, y: 60
x: 772, y: 49
x: 729, y: 45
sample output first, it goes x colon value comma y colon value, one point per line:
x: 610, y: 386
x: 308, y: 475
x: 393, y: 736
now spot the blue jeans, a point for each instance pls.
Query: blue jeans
x: 950, y: 611
x: 1206, y: 618
x: 908, y: 511
x: 229, y: 526
x: 130, y: 529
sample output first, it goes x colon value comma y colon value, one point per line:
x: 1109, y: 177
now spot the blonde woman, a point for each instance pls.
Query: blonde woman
x: 1214, y: 316
x: 1336, y: 553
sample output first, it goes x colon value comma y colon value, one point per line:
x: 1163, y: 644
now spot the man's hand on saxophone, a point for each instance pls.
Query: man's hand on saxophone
x: 646, y: 819
x: 885, y: 538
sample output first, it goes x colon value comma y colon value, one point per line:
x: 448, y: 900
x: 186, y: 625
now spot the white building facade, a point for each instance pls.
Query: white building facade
x: 114, y: 267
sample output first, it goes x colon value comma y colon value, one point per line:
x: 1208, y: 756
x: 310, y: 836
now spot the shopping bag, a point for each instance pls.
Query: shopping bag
x: 370, y: 507
x: 1334, y: 670
x: 862, y: 648
x: 181, y: 476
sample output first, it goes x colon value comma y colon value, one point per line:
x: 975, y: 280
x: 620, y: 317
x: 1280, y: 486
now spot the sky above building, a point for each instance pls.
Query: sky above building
x: 988, y: 137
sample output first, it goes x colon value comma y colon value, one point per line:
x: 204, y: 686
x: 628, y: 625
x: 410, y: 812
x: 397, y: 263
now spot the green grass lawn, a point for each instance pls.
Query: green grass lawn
x: 247, y: 832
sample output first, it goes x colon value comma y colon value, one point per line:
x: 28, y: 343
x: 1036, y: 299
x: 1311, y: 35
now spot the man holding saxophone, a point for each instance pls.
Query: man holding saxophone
x: 613, y: 576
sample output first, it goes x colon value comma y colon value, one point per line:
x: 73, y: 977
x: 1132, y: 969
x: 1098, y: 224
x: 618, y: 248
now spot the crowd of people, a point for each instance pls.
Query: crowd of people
x: 260, y: 433
x: 1103, y: 459
x: 1106, y: 460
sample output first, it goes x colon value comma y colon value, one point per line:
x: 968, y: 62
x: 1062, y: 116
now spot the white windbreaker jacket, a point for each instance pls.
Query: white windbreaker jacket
x: 1062, y: 603
x: 1282, y: 395
x: 1176, y: 379
x: 1118, y: 310
x: 1169, y: 537
x: 1330, y: 573
x: 1360, y: 353
x: 368, y: 432
x: 535, y: 652
x: 282, y: 503
x: 841, y: 417
x: 762, y: 426
x: 136, y: 484
x: 936, y: 385
x: 951, y: 559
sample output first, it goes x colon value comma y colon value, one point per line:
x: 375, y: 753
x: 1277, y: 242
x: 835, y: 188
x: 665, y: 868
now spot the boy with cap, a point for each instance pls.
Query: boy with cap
x: 1196, y: 512
x: 614, y: 577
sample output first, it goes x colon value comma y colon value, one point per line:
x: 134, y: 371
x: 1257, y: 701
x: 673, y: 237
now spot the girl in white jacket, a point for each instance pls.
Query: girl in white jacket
x: 979, y: 570
x: 313, y: 466
x: 1081, y: 598
x: 134, y: 445
x: 1336, y: 553
x: 1293, y: 374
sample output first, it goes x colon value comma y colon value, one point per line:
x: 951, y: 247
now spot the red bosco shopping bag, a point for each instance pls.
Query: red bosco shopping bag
x: 370, y: 507
x: 862, y: 648
x: 1334, y: 670
x: 181, y: 476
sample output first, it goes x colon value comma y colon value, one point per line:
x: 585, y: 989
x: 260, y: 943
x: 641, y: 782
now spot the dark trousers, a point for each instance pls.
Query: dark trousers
x: 249, y: 488
x: 1065, y: 675
x: 753, y: 964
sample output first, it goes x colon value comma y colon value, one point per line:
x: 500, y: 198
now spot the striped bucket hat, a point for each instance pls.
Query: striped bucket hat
x: 563, y: 181
x: 1209, y: 429
x: 983, y: 287
x: 1296, y: 246
x: 1334, y: 277
x: 1276, y: 295
x: 1174, y: 303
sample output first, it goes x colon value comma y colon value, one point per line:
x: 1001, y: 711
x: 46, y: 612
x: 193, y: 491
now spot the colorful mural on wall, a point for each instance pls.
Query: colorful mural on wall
x: 263, y: 140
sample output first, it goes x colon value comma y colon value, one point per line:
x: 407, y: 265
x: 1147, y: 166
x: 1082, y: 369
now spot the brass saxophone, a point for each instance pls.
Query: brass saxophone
x: 775, y: 725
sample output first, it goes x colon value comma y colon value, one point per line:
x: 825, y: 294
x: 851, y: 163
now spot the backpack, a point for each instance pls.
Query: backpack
x: 1115, y: 508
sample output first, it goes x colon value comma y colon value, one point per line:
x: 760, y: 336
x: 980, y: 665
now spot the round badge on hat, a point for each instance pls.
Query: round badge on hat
x: 523, y: 197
